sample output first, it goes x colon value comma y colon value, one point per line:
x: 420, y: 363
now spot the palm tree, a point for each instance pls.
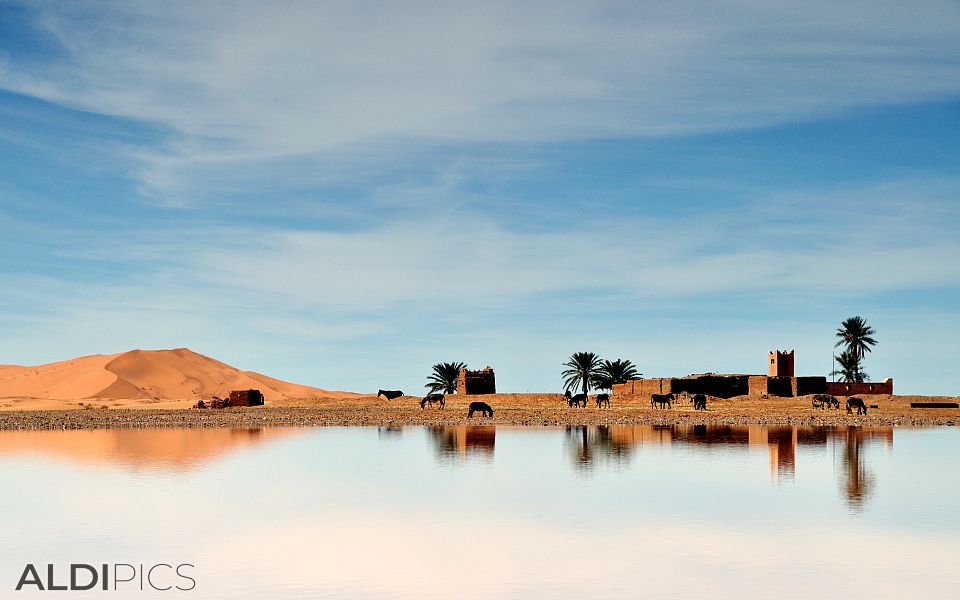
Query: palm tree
x: 583, y: 368
x: 849, y: 368
x: 444, y: 377
x: 611, y: 373
x: 857, y: 337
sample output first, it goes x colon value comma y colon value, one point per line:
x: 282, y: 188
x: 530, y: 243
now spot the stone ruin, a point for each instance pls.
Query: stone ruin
x: 476, y: 382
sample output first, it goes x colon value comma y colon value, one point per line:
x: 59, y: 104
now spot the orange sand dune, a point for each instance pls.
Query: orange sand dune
x: 145, y: 375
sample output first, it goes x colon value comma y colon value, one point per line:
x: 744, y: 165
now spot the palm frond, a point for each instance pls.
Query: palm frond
x: 444, y: 377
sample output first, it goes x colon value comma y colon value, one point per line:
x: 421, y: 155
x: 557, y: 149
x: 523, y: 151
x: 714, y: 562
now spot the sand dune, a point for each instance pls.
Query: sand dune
x: 145, y: 375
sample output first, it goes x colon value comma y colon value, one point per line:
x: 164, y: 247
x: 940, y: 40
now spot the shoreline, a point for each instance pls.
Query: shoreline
x: 257, y: 417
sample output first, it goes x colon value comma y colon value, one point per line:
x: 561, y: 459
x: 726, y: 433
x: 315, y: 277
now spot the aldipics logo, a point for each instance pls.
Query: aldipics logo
x: 162, y: 577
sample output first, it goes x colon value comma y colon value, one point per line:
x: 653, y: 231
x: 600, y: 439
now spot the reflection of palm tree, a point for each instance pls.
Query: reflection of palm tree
x: 857, y: 479
x: 849, y: 369
x: 445, y: 443
x: 857, y: 337
x: 612, y: 373
x: 589, y: 443
x: 444, y: 377
x: 582, y: 369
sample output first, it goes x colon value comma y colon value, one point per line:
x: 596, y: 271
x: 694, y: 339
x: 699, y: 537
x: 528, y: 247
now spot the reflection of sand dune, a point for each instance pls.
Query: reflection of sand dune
x: 145, y: 375
x: 178, y: 449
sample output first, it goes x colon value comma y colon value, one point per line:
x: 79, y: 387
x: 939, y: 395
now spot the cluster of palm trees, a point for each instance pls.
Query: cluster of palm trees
x: 856, y: 338
x: 586, y: 370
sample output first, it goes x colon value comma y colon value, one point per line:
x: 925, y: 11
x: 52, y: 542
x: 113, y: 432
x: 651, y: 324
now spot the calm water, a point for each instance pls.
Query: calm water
x: 484, y: 512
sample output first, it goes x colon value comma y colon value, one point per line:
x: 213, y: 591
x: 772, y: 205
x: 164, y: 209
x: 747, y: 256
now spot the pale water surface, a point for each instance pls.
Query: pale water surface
x: 484, y: 512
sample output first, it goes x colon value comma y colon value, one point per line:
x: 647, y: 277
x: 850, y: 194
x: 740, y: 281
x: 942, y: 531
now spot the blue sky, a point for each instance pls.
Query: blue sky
x: 342, y: 194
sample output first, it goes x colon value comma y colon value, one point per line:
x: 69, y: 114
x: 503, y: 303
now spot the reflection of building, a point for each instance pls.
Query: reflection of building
x: 780, y: 442
x: 476, y: 382
x: 460, y: 440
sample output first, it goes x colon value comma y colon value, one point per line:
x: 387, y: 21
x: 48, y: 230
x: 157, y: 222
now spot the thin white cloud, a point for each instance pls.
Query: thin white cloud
x: 248, y: 82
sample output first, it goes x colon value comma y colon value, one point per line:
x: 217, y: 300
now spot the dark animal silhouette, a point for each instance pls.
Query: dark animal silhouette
x: 389, y: 394
x: 661, y: 400
x: 603, y: 400
x: 430, y: 399
x: 575, y: 400
x: 858, y: 404
x: 481, y: 407
x: 699, y: 402
x: 825, y: 401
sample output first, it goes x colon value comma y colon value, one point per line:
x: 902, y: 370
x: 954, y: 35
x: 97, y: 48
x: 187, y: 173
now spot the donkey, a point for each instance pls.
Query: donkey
x: 603, y: 400
x: 390, y: 394
x: 481, y: 407
x: 699, y: 402
x: 661, y: 400
x: 825, y: 401
x: 858, y: 404
x: 430, y: 399
x: 575, y: 400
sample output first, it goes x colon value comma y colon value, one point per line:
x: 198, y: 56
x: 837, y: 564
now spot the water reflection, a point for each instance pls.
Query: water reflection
x: 589, y: 446
x: 856, y: 478
x: 389, y: 432
x: 174, y: 449
x: 464, y: 440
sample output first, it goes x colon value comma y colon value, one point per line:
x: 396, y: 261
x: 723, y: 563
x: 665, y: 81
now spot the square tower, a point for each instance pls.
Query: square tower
x: 780, y: 364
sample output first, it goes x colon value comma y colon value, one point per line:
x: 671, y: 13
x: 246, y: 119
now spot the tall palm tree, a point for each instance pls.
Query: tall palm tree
x: 611, y: 373
x: 849, y: 368
x: 582, y: 368
x: 857, y: 337
x: 444, y: 377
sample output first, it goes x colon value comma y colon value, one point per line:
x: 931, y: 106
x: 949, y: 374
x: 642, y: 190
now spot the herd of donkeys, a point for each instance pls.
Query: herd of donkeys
x: 661, y: 401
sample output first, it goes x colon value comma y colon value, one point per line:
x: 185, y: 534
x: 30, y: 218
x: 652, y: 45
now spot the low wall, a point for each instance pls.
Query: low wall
x: 804, y: 386
x: 839, y: 388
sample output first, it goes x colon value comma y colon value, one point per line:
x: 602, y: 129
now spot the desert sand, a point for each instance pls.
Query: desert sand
x: 138, y: 379
x: 111, y: 391
x: 510, y: 409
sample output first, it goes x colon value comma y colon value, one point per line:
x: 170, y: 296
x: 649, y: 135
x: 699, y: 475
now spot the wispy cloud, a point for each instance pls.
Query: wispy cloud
x: 244, y: 83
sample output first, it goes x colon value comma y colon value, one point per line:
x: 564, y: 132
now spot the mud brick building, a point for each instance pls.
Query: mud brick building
x: 246, y: 398
x: 779, y: 381
x: 476, y: 382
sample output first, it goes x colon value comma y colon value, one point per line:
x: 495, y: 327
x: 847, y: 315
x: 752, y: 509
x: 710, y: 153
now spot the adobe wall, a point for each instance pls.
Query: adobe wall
x: 721, y: 386
x: 804, y: 386
x: 839, y: 388
x: 780, y: 363
x: 476, y: 382
x: 757, y: 385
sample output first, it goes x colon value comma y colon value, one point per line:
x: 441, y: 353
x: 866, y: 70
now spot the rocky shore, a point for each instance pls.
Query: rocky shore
x: 534, y: 410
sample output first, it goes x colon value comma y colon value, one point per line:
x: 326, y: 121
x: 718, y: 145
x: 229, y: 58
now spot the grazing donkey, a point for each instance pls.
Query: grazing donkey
x: 699, y: 402
x: 390, y: 394
x: 575, y: 400
x: 603, y: 400
x: 481, y: 407
x: 858, y: 404
x: 430, y: 399
x: 825, y: 401
x: 661, y: 400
